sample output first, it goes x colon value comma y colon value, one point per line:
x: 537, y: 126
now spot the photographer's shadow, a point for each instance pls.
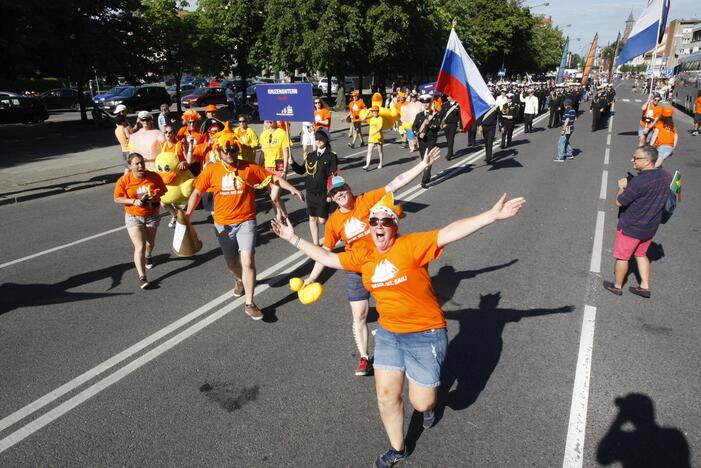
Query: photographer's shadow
x: 636, y: 441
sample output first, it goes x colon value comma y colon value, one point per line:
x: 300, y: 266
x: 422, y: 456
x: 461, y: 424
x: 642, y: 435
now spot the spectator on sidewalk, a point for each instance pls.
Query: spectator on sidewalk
x: 643, y: 200
x: 123, y: 132
x: 147, y: 141
x: 697, y: 116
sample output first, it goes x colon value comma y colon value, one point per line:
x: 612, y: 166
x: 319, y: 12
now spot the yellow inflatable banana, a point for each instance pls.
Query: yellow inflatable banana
x: 179, y: 183
x: 389, y: 116
x: 307, y: 294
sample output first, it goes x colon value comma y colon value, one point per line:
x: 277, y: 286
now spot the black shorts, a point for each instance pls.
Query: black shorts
x: 356, y: 125
x: 317, y: 205
x: 697, y: 118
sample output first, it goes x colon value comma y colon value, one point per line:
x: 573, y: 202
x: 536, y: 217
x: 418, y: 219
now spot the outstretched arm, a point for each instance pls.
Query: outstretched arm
x: 456, y: 230
x: 289, y: 187
x: 316, y: 253
x: 407, y: 176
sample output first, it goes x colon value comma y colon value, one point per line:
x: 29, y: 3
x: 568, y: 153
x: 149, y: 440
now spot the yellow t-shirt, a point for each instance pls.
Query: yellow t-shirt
x: 250, y: 140
x: 272, y: 143
x: 375, y: 132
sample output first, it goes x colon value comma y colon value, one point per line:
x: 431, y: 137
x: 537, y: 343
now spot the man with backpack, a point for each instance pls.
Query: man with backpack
x: 642, y: 200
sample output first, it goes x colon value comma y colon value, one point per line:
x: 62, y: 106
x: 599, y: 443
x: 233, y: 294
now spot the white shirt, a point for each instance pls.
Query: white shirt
x: 501, y: 100
x: 531, y: 103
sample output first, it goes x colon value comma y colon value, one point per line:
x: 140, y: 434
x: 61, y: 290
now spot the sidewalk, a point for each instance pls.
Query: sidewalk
x: 63, y: 155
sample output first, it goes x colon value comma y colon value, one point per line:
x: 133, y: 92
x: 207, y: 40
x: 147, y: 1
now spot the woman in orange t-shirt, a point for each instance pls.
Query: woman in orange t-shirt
x: 322, y: 116
x: 140, y: 190
x: 664, y: 135
x: 411, y: 340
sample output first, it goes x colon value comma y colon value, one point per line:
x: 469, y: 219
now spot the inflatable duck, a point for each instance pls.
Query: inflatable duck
x: 389, y: 116
x: 307, y: 294
x: 179, y: 183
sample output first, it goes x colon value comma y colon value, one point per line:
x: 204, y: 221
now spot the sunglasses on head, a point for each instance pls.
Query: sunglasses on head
x: 386, y: 222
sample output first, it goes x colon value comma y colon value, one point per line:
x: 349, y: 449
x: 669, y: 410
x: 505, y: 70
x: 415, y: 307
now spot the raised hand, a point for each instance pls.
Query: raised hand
x: 504, y: 209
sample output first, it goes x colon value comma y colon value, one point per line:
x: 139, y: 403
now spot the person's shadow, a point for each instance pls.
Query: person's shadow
x: 636, y: 441
x: 474, y: 352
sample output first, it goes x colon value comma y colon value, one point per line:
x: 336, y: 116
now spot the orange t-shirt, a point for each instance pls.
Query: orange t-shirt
x: 322, y: 114
x: 651, y: 112
x: 665, y: 136
x: 399, y: 281
x: 130, y: 186
x: 351, y: 226
x: 697, y: 105
x: 234, y: 195
x: 355, y: 107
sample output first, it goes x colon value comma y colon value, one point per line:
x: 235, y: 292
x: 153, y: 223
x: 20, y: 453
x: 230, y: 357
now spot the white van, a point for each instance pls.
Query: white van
x: 324, y: 83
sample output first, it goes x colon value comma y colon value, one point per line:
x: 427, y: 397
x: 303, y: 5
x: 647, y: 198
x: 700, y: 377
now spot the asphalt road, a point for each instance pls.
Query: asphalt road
x: 97, y: 372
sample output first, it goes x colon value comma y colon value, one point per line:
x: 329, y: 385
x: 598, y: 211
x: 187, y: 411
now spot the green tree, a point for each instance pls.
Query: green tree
x: 172, y: 33
x: 546, y: 43
x: 230, y: 38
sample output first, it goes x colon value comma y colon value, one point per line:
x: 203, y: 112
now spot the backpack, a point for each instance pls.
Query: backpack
x: 669, y: 207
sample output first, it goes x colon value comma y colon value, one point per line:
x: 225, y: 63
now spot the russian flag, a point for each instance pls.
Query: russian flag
x: 460, y: 79
x: 647, y: 32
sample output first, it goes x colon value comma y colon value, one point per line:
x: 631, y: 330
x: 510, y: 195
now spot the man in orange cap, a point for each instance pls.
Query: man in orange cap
x: 232, y: 181
x: 354, y: 107
x: 210, y: 114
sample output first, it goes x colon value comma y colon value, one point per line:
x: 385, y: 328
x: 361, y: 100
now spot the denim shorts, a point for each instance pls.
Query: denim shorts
x: 150, y: 221
x: 235, y: 238
x: 419, y: 355
x: 354, y: 287
x: 665, y: 151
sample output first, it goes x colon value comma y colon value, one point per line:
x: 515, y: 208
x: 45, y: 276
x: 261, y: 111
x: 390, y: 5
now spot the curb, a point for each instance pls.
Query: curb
x: 42, y: 193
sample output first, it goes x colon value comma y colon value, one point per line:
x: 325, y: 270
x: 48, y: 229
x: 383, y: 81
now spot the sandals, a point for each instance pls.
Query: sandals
x: 638, y: 291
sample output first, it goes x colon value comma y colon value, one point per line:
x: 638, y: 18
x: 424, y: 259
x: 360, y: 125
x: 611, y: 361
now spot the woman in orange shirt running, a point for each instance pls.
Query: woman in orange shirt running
x: 411, y: 339
x: 664, y: 135
x: 140, y: 190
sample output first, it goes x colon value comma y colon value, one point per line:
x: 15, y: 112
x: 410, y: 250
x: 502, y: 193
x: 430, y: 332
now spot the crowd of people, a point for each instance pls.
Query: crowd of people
x: 230, y: 165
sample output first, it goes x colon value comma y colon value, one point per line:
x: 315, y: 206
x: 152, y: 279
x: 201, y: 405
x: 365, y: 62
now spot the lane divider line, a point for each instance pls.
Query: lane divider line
x: 606, y: 156
x: 595, y: 265
x: 604, y: 182
x: 608, y: 140
x: 574, y: 446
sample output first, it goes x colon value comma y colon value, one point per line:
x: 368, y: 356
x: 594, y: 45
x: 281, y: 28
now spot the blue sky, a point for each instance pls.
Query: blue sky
x: 606, y: 17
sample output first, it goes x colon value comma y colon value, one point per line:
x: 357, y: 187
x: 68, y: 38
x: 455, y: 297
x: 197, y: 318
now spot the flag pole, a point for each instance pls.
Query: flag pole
x: 654, y: 53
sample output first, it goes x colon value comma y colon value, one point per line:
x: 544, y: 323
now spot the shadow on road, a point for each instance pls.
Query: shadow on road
x: 14, y: 295
x: 635, y: 440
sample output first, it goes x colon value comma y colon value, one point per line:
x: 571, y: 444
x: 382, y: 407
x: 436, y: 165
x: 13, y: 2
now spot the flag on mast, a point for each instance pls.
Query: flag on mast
x: 563, y: 60
x: 460, y: 79
x: 590, y: 58
x: 647, y: 31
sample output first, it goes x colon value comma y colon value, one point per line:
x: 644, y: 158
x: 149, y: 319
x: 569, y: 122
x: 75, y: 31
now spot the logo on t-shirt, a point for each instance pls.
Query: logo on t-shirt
x: 354, y: 228
x: 230, y: 183
x: 384, y: 271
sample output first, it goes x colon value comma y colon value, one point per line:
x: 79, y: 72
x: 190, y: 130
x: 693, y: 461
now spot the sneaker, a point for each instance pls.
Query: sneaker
x: 350, y: 145
x: 389, y: 458
x: 429, y: 419
x: 238, y: 288
x: 253, y: 311
x: 149, y: 262
x: 364, y: 367
x: 608, y: 285
x: 171, y: 224
x: 569, y: 156
x: 143, y: 282
x: 638, y: 291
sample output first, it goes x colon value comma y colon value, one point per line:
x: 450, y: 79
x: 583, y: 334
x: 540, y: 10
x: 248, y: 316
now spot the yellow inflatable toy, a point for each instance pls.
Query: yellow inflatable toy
x: 179, y: 183
x: 389, y: 116
x: 307, y: 294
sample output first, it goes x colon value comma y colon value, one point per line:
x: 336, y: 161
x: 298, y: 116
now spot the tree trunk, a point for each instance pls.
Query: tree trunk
x: 81, y: 100
x: 360, y: 85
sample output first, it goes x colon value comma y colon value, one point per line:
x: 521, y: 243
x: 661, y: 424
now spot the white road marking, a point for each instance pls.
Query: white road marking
x: 608, y: 140
x: 595, y: 265
x: 606, y: 156
x: 638, y: 100
x: 625, y: 100
x: 604, y: 182
x: 574, y: 446
x: 28, y: 429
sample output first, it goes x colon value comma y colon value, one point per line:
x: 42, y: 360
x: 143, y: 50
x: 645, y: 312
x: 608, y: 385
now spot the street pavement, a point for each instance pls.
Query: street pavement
x: 97, y: 372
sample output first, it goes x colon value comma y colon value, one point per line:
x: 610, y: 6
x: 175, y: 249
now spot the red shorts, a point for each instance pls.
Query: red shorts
x: 625, y: 247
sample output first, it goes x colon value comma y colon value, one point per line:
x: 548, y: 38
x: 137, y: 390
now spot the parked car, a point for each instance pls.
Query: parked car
x: 138, y: 98
x: 204, y: 96
x: 22, y: 109
x: 108, y: 95
x: 324, y: 84
x: 185, y: 89
x: 64, y: 98
x: 9, y: 94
